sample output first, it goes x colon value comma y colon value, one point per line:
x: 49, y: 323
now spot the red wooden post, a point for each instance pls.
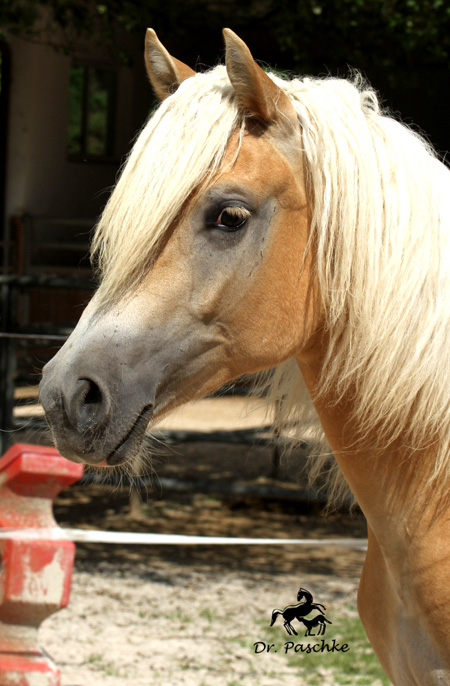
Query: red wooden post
x: 36, y: 566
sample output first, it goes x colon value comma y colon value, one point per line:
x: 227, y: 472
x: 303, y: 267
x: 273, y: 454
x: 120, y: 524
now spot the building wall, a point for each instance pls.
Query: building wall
x: 40, y: 180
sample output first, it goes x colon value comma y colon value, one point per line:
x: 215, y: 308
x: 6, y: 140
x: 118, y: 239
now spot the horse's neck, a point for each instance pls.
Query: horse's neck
x: 390, y: 486
x: 405, y: 577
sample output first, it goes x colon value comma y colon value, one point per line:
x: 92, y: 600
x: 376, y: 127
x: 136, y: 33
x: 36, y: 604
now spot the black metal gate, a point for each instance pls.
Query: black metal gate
x: 13, y: 336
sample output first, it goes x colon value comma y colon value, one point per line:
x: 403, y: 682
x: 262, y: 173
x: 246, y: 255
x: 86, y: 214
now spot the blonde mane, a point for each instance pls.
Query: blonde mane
x: 379, y: 231
x: 181, y: 145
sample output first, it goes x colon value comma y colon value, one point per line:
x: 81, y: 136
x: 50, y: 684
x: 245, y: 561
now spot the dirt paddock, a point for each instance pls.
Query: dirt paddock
x: 191, y: 615
x: 197, y: 615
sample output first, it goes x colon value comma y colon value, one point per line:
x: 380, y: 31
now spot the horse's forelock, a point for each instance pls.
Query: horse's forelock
x: 182, y: 143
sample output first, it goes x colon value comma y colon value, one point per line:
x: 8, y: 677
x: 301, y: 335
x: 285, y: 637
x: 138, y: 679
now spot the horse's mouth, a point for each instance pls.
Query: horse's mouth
x: 129, y: 445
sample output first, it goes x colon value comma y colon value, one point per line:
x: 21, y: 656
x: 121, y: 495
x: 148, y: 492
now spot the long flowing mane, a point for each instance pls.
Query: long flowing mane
x: 379, y: 232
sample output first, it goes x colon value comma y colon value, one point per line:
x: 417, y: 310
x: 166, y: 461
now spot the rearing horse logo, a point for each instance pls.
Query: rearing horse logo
x: 304, y: 606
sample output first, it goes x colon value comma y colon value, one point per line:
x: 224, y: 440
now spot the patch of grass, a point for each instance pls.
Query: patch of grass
x: 208, y: 614
x: 94, y: 658
x: 99, y: 664
x: 356, y: 667
x: 180, y: 616
x: 240, y: 640
x: 110, y: 669
x: 185, y: 665
x: 359, y: 666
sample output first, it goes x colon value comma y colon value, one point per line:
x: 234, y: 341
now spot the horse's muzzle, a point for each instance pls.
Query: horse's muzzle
x: 87, y: 426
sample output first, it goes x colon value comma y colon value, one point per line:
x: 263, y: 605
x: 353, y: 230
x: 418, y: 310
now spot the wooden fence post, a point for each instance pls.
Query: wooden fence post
x: 36, y: 559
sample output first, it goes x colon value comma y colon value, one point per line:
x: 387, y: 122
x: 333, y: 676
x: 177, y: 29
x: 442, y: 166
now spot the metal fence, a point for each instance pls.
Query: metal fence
x: 14, y: 335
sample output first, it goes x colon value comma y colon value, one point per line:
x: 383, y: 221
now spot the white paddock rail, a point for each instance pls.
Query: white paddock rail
x: 119, y: 537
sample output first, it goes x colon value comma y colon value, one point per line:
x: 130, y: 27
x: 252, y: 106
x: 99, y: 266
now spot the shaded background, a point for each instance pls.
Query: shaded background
x: 74, y: 94
x: 402, y: 46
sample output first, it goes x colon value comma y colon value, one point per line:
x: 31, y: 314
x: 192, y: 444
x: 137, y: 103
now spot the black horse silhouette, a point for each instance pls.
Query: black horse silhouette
x: 298, y: 611
x: 318, y: 620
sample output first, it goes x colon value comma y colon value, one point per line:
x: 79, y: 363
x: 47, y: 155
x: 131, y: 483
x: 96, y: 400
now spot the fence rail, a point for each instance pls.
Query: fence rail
x: 133, y: 538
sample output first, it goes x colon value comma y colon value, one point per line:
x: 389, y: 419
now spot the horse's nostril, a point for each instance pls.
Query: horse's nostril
x: 86, y: 405
x: 94, y: 395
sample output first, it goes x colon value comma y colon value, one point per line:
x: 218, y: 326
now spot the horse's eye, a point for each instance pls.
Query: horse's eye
x: 232, y: 218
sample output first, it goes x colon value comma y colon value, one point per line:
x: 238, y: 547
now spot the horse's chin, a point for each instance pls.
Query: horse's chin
x: 110, y: 449
x: 130, y: 444
x: 124, y: 453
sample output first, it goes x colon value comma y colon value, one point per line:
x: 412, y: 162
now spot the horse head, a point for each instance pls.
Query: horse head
x: 203, y: 255
x: 262, y: 222
x: 303, y: 593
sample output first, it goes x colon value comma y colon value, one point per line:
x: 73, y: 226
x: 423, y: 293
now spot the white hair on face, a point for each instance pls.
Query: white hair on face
x: 379, y: 233
x: 182, y: 144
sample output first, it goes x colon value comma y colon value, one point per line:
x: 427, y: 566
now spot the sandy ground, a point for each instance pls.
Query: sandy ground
x: 174, y: 615
x: 171, y: 615
x: 181, y: 625
x: 191, y: 615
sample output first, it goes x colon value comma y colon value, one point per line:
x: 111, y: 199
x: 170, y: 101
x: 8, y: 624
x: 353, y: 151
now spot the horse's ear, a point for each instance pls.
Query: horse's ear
x: 254, y: 89
x: 164, y: 71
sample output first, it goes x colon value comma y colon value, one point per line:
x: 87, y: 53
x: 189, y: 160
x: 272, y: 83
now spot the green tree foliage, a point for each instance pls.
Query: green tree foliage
x: 384, y: 33
x: 370, y: 34
x: 32, y: 20
x: 402, y: 46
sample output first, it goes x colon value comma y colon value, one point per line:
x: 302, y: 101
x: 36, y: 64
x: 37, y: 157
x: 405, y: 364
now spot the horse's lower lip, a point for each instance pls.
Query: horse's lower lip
x: 113, y: 460
x: 131, y: 441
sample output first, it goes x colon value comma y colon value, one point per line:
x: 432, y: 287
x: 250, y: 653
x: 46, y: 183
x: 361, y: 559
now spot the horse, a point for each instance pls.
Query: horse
x: 317, y: 621
x: 299, y: 611
x: 307, y: 598
x: 289, y: 613
x: 260, y: 224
